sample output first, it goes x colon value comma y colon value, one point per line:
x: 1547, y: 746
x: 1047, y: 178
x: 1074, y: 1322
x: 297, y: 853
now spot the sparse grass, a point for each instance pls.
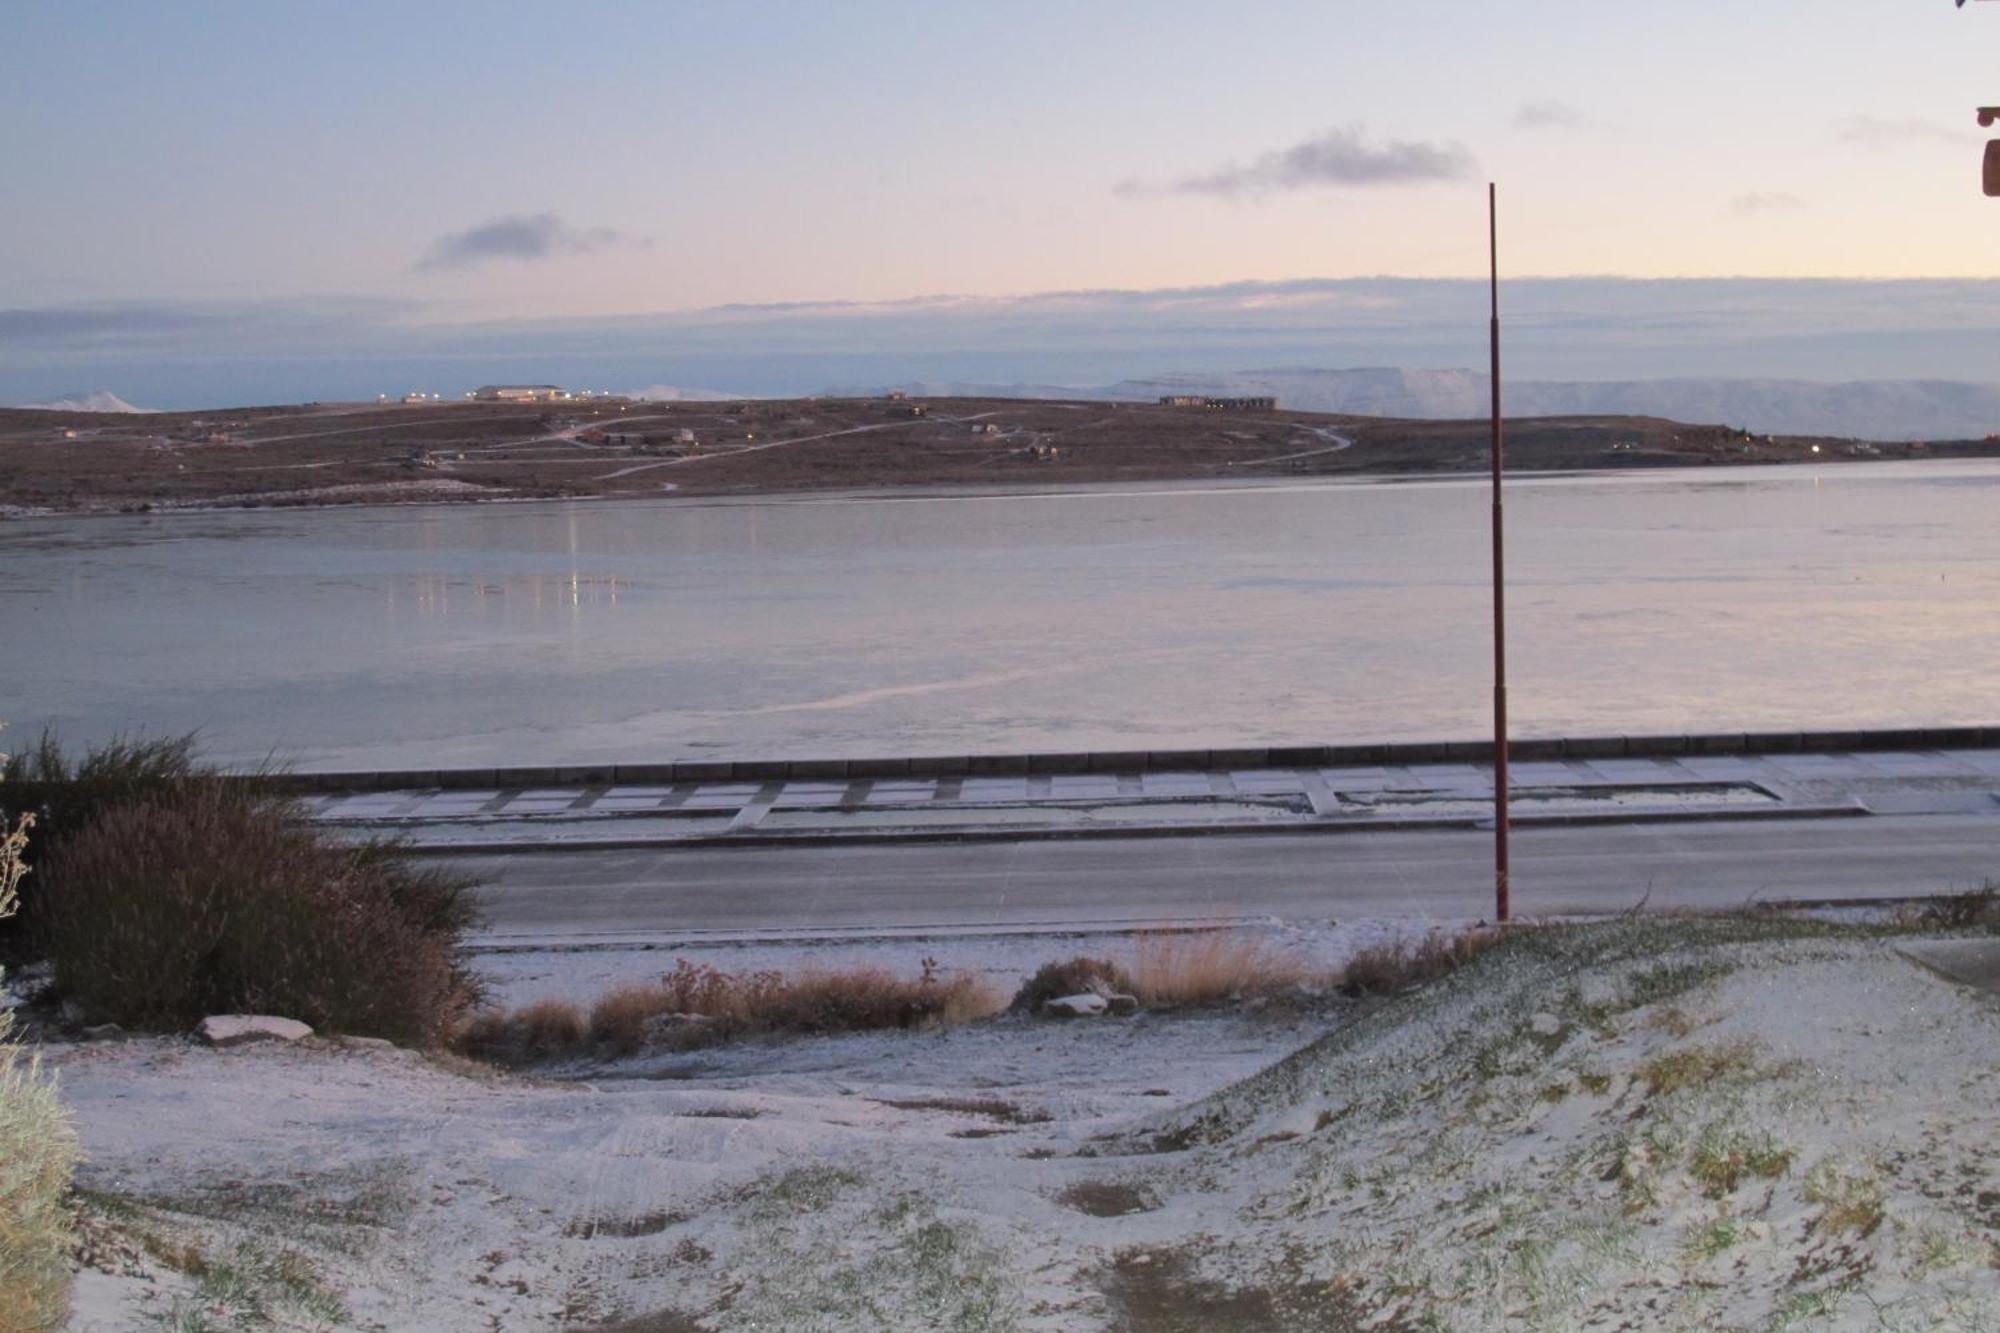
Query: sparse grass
x: 1693, y: 1065
x: 1722, y: 1161
x: 805, y: 1189
x: 1081, y: 975
x: 1171, y: 968
x: 1706, y: 1240
x: 805, y: 1270
x: 255, y: 1286
x: 209, y: 899
x: 701, y: 1005
x: 1385, y: 969
x: 1850, y: 1198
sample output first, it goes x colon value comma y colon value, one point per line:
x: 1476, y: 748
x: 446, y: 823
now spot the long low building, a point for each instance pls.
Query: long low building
x: 1225, y: 404
x: 520, y: 393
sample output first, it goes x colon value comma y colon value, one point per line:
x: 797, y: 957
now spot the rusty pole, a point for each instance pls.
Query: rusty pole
x: 1501, y: 887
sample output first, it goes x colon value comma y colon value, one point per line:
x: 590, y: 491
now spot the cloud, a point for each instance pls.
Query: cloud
x: 519, y: 236
x: 1755, y: 202
x: 1873, y: 132
x: 1342, y: 156
x: 1549, y: 115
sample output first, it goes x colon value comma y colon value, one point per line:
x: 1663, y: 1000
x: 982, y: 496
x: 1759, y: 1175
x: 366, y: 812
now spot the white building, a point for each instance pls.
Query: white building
x: 520, y: 393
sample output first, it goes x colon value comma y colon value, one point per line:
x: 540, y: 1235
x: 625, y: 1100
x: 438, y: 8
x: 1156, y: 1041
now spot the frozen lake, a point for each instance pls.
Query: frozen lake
x: 1858, y: 595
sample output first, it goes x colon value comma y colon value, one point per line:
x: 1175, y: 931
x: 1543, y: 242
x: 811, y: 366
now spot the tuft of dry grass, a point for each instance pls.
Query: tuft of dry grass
x: 37, y: 1152
x: 699, y: 1005
x: 548, y: 1027
x: 1850, y: 1198
x: 1386, y: 969
x: 1211, y: 967
x: 1692, y: 1065
x: 618, y: 1020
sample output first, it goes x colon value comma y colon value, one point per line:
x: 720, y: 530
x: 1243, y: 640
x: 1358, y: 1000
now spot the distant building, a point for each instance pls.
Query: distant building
x: 520, y: 393
x: 909, y: 410
x: 1219, y: 404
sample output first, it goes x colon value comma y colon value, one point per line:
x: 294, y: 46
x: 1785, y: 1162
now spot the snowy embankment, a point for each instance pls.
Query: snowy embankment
x: 1647, y: 1124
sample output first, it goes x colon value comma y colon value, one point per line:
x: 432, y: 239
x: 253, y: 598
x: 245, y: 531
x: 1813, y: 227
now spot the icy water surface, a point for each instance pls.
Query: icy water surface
x: 1858, y: 595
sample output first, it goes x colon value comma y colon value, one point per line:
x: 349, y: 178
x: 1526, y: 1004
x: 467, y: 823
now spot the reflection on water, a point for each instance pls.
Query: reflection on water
x: 1113, y: 617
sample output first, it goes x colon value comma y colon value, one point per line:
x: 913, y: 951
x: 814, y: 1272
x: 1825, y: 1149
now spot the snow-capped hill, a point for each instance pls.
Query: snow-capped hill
x: 101, y: 400
x: 1860, y: 409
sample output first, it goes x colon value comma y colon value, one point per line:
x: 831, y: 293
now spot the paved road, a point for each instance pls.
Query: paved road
x: 1417, y: 874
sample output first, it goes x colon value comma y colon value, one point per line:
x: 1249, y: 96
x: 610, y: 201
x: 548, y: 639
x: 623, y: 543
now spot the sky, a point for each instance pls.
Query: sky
x: 236, y: 199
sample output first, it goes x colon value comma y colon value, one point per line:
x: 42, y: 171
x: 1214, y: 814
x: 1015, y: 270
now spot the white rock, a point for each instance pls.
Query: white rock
x: 236, y: 1029
x: 1075, y: 1006
x: 367, y: 1044
x: 1545, y: 1025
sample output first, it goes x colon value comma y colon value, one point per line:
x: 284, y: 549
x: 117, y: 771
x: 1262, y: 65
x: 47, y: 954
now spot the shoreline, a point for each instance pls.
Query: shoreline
x: 917, y: 491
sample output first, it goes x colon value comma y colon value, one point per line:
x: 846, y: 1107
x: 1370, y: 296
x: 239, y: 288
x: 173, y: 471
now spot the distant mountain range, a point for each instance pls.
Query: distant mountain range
x: 100, y: 400
x: 1859, y: 409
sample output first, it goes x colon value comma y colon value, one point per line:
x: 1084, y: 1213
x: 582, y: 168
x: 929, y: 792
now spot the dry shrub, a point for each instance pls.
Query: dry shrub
x: 1210, y: 967
x: 37, y: 1152
x: 212, y: 899
x: 1385, y: 969
x: 618, y: 1019
x: 1073, y: 976
x: 711, y: 1005
x: 550, y: 1027
x: 1975, y: 909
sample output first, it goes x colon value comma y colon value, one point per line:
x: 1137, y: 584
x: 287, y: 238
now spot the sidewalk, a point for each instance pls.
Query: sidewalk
x: 1160, y: 803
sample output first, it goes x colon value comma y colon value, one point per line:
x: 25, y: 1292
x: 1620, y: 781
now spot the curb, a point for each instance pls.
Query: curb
x: 1036, y: 833
x: 1142, y: 761
x: 657, y: 941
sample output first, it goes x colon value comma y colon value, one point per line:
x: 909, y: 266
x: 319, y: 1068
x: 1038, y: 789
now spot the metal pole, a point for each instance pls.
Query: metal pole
x: 1501, y: 887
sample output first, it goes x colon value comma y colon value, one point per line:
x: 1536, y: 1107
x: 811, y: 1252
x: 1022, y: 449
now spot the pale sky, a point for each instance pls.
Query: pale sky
x: 439, y: 163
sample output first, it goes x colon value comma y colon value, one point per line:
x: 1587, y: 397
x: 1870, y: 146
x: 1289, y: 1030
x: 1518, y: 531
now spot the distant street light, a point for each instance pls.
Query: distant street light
x: 1502, y: 875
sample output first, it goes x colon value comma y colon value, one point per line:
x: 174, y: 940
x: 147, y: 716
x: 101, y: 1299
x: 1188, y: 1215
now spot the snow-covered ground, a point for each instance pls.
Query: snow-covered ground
x: 1640, y: 1124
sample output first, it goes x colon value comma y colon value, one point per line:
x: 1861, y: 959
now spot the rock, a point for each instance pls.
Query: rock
x: 238, y: 1029
x: 1121, y: 1005
x: 1075, y: 1006
x: 103, y: 1032
x: 1545, y: 1025
x: 366, y: 1044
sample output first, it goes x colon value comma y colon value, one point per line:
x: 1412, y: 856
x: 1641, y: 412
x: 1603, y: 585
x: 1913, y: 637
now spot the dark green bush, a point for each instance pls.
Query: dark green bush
x: 65, y: 794
x: 207, y: 898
